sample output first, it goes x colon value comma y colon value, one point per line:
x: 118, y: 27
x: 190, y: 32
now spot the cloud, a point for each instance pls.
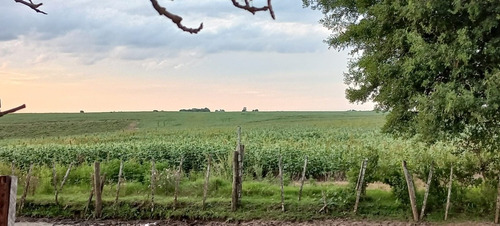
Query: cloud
x: 94, y: 30
x: 108, y: 50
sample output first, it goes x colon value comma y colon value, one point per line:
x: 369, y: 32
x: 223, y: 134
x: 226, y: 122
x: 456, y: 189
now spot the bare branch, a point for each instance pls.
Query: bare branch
x: 32, y: 5
x: 175, y: 18
x: 271, y: 11
x: 254, y: 9
x: 2, y: 113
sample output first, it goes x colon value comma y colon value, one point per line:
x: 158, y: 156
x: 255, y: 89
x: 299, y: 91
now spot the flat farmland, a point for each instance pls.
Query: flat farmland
x: 335, y: 144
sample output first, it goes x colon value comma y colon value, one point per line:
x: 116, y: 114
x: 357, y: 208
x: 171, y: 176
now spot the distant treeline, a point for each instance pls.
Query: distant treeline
x: 195, y: 110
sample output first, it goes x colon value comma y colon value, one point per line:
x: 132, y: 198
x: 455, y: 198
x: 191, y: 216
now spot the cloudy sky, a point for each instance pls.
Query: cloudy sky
x: 122, y: 56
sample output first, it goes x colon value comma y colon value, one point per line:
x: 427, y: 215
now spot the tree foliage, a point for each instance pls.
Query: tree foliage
x: 195, y: 110
x: 433, y: 65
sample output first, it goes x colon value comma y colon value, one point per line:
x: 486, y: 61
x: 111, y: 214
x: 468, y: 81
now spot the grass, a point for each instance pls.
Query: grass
x: 261, y: 200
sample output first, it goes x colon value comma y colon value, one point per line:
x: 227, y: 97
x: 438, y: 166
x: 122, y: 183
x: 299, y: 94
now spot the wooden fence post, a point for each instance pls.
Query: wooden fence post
x: 239, y: 136
x: 152, y: 181
x: 90, y: 195
x: 359, y: 184
x: 280, y: 167
x: 54, y: 181
x: 449, y: 195
x: 8, y: 193
x: 97, y: 189
x: 62, y: 182
x: 497, y: 211
x: 205, y: 187
x: 241, y: 153
x: 303, y: 178
x: 234, y: 195
x: 427, y: 189
x: 177, y: 181
x: 26, y: 187
x: 411, y: 192
x: 120, y: 172
x: 359, y: 177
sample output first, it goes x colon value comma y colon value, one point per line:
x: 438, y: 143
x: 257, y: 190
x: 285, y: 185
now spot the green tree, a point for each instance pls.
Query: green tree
x: 434, y: 66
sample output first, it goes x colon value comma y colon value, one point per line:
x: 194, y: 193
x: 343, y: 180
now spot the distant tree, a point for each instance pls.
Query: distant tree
x: 433, y: 65
x: 195, y: 110
x: 81, y: 111
x: 244, y: 109
x: 255, y: 110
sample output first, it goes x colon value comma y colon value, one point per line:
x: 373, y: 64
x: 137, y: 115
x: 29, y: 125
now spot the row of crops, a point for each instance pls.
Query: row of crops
x: 330, y: 151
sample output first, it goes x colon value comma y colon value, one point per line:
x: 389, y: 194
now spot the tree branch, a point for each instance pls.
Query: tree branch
x: 253, y: 9
x: 2, y: 113
x: 271, y: 11
x: 175, y: 18
x: 32, y: 5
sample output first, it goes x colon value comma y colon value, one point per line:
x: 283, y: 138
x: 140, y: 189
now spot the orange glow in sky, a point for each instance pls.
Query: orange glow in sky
x: 106, y: 56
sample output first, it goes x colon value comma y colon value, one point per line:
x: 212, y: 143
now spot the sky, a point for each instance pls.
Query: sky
x: 101, y: 56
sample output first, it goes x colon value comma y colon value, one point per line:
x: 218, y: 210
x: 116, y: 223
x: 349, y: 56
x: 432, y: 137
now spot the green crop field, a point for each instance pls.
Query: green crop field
x: 334, y: 142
